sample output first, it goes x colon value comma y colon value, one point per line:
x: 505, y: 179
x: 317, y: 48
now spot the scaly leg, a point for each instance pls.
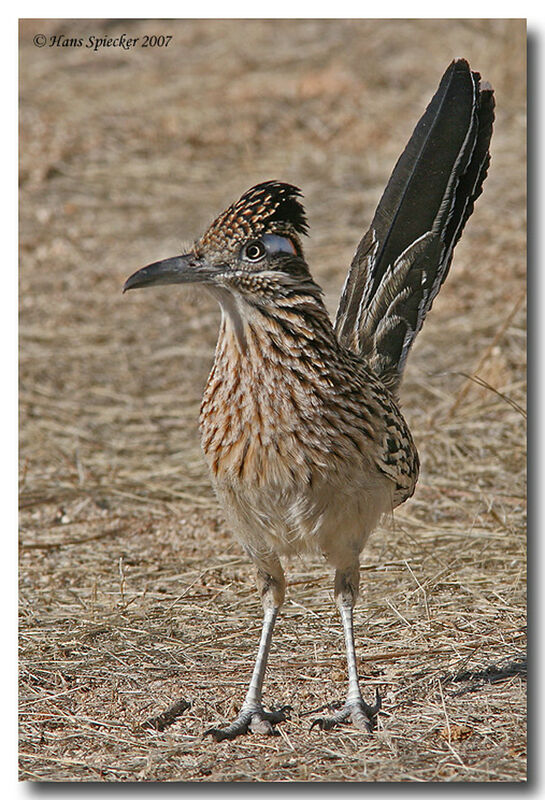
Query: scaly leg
x: 253, y: 716
x: 355, y: 709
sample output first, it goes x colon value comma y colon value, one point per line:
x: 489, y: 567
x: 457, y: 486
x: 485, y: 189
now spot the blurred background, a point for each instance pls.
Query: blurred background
x: 125, y: 156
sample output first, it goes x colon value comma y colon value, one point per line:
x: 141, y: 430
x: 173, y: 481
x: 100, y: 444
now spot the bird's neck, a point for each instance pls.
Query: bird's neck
x: 282, y: 327
x: 271, y: 361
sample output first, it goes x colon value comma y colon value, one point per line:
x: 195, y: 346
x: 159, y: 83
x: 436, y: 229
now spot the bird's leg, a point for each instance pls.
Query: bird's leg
x: 253, y: 716
x: 355, y: 709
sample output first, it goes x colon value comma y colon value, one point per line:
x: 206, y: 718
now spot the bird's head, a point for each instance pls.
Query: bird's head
x: 252, y: 250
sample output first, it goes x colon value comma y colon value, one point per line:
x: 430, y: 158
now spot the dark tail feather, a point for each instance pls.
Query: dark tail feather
x: 403, y: 259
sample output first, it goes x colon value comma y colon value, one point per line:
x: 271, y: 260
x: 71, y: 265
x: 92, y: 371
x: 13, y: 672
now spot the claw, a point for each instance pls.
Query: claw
x: 326, y: 723
x: 279, y: 714
x: 256, y: 720
x: 361, y: 715
x: 231, y: 732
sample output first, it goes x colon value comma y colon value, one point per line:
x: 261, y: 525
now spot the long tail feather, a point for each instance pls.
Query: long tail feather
x: 403, y: 259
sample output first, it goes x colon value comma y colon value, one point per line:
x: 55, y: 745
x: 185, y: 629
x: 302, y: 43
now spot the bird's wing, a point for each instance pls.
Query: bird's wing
x: 403, y: 259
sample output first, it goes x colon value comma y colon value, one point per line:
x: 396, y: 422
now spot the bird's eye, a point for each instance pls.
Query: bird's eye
x: 254, y: 251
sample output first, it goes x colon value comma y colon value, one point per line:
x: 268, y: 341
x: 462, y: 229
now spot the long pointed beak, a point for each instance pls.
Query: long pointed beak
x: 180, y: 269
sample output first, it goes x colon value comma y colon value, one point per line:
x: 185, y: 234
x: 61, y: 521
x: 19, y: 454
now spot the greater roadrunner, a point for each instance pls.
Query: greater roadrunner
x: 300, y: 422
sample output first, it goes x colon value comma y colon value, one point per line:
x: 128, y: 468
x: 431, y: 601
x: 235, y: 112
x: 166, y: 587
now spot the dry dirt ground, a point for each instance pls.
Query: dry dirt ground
x: 133, y: 594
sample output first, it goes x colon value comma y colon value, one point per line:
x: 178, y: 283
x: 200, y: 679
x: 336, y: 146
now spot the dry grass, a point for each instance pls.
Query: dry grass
x: 133, y: 593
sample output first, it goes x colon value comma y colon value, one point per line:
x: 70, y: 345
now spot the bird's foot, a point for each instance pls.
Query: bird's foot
x: 356, y: 712
x: 252, y: 720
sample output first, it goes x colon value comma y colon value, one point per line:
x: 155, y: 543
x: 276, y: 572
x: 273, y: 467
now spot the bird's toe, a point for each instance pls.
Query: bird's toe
x: 256, y: 720
x: 358, y: 713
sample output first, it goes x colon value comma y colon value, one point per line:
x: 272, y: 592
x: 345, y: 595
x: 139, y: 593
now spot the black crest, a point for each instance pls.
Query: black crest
x: 270, y: 207
x: 277, y: 202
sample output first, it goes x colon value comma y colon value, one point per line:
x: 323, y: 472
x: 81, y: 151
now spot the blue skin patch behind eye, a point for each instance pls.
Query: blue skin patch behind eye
x: 278, y: 244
